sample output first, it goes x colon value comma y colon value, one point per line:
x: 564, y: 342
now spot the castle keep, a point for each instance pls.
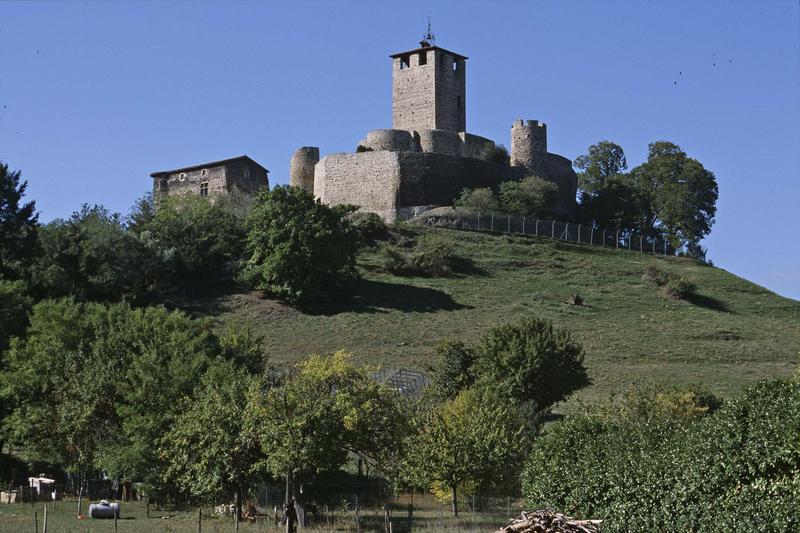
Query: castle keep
x: 427, y: 158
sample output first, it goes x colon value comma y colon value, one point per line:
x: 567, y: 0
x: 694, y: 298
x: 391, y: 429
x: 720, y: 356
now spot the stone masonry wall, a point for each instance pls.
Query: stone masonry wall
x: 221, y: 179
x: 413, y: 95
x: 451, y: 93
x: 301, y: 167
x: 367, y: 179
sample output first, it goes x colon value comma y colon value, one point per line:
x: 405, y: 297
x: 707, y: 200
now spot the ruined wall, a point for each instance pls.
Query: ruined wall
x: 474, y: 145
x: 389, y: 182
x: 529, y: 146
x: 301, y: 167
x: 560, y: 172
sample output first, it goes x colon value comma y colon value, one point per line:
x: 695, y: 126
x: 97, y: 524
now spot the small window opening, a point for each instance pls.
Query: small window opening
x: 204, y: 172
x: 423, y: 58
x: 246, y: 173
x: 182, y: 176
x: 204, y: 189
x: 455, y: 65
x: 404, y: 62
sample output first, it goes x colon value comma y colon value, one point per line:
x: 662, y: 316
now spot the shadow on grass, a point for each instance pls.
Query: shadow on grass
x: 708, y: 302
x: 368, y: 296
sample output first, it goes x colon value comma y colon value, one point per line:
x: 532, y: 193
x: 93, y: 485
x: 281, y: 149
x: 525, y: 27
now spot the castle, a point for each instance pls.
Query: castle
x: 210, y: 179
x: 427, y: 158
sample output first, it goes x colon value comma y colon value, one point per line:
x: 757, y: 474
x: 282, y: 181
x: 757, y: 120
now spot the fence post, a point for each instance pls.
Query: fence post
x: 629, y: 242
x: 492, y: 221
x: 553, y: 231
x: 641, y: 243
x: 579, y: 233
x: 617, y: 238
x: 654, y: 246
x: 509, y: 224
x: 604, y: 237
x: 591, y: 237
x: 665, y: 247
x: 523, y: 225
x: 537, y: 228
x: 479, y: 220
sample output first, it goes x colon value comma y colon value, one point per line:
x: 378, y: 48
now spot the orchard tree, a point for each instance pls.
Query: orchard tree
x: 531, y: 363
x: 329, y: 409
x: 468, y: 442
x: 18, y: 225
x: 298, y: 247
x: 209, y: 448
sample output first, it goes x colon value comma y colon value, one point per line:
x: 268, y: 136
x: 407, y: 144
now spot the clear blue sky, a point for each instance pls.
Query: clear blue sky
x: 95, y: 96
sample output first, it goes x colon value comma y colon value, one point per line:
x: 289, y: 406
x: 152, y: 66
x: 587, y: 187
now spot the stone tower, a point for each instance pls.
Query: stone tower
x: 301, y: 168
x: 529, y: 147
x: 429, y: 89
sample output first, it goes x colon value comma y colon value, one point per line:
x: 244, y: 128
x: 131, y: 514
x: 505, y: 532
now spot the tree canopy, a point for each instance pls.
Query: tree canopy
x: 18, y: 225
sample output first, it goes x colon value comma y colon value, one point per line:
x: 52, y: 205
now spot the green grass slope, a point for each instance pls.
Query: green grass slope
x: 731, y: 333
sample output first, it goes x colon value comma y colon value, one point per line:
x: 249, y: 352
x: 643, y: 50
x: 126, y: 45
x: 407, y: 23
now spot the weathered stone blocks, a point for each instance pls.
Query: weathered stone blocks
x: 301, y: 167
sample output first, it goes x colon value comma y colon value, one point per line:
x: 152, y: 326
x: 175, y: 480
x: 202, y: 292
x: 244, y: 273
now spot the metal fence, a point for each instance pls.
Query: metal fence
x: 592, y: 235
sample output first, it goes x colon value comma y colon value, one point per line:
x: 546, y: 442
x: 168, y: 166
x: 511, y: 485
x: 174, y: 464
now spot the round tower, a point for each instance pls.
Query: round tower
x: 529, y: 146
x: 301, y: 168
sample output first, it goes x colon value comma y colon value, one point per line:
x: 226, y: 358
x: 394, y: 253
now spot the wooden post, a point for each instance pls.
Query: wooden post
x: 35, y: 521
x: 579, y: 233
x: 148, y: 506
x: 617, y: 238
x: 553, y: 231
x: 479, y: 220
x: 44, y: 525
x: 641, y: 243
x: 523, y: 225
x: 591, y: 237
x: 492, y: 221
x: 116, y: 515
x: 509, y: 224
x: 199, y: 520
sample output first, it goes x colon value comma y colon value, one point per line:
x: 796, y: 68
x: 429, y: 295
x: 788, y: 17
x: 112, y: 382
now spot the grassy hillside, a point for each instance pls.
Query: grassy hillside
x: 731, y: 333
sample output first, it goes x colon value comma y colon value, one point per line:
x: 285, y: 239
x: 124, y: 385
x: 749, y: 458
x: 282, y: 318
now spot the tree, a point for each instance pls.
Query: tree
x: 92, y: 257
x: 15, y: 304
x: 531, y: 362
x: 330, y: 408
x: 18, y: 225
x: 603, y: 161
x: 680, y: 193
x: 195, y: 241
x: 299, y: 248
x: 209, y: 448
x: 532, y: 196
x: 477, y: 201
x: 618, y: 204
x: 468, y: 441
x: 454, y: 370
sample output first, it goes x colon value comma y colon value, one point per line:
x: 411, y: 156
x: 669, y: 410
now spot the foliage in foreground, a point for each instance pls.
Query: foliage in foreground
x: 299, y: 247
x: 736, y: 469
x: 431, y: 256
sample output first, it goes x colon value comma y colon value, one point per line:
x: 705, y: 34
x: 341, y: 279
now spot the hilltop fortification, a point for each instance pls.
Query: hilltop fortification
x: 427, y: 158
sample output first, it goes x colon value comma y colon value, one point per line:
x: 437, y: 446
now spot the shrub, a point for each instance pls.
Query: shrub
x: 737, y: 469
x: 679, y: 288
x: 454, y: 370
x: 655, y: 275
x: 432, y: 256
x: 299, y: 247
x: 477, y: 201
x: 370, y: 226
x: 495, y: 154
x: 532, y: 196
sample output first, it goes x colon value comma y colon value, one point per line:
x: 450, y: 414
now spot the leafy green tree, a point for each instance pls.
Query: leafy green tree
x: 476, y: 201
x: 495, y: 154
x: 329, y: 409
x: 467, y: 442
x: 299, y: 247
x: 92, y: 257
x: 618, y: 204
x: 195, y: 241
x: 454, y: 370
x: 94, y: 386
x: 18, y: 225
x: 210, y: 449
x: 532, y: 196
x: 15, y: 304
x: 680, y: 193
x: 531, y: 362
x: 602, y: 161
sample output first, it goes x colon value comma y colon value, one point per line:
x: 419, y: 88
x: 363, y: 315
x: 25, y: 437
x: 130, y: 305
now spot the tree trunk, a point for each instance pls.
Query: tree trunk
x: 80, y: 493
x: 299, y: 505
x: 455, y: 501
x: 237, y: 506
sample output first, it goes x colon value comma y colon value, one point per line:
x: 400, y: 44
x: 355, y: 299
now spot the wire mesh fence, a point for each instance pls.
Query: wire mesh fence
x: 590, y: 234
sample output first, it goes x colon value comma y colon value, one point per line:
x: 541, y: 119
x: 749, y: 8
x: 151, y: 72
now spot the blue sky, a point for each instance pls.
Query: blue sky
x: 95, y: 96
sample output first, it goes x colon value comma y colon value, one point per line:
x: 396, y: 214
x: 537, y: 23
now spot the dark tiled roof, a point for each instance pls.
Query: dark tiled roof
x: 428, y: 48
x: 211, y: 164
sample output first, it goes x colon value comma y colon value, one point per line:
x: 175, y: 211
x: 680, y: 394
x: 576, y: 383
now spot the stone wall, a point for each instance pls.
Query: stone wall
x: 301, y: 167
x: 440, y: 142
x: 429, y: 96
x: 218, y: 179
x: 529, y: 146
x: 474, y: 145
x: 390, y: 140
x: 389, y: 182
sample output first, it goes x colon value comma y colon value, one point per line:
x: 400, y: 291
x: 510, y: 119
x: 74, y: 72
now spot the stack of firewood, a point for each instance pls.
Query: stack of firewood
x: 549, y: 522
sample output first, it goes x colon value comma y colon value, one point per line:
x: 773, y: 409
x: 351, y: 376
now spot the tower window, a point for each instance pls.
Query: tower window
x: 204, y: 189
x: 455, y: 65
x: 182, y: 176
x: 423, y: 58
x: 204, y: 172
x: 404, y: 62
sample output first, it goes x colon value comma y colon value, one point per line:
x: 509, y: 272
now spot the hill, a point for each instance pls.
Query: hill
x: 731, y: 333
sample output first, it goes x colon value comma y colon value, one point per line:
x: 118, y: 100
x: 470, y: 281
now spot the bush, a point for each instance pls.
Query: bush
x: 299, y: 247
x: 532, y: 196
x: 477, y: 201
x: 679, y: 288
x: 370, y: 226
x: 495, y: 154
x: 737, y: 469
x: 430, y: 256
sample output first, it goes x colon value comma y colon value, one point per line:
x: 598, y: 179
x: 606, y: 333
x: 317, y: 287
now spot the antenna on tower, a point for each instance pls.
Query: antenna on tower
x: 429, y: 38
